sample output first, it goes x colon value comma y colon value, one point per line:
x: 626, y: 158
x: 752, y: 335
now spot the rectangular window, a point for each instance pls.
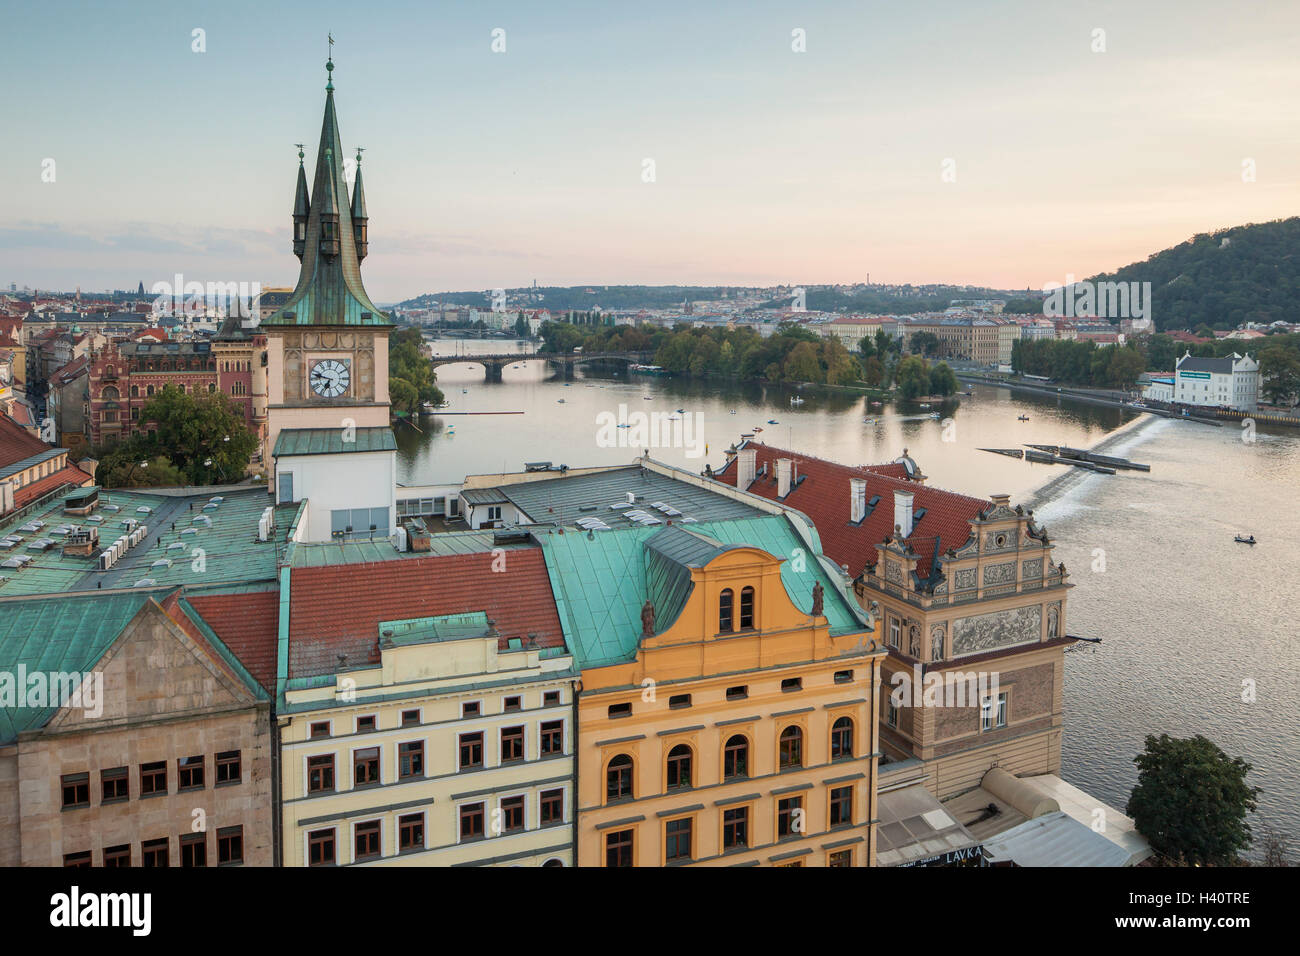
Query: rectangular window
x: 618, y: 848
x: 365, y: 767
x: 552, y: 807
x: 895, y: 631
x: 117, y: 855
x: 189, y: 773
x: 677, y: 840
x: 512, y: 814
x: 230, y: 845
x: 550, y: 698
x: 410, y: 832
x: 844, y: 677
x: 365, y: 838
x: 410, y: 760
x: 366, y: 724
x: 841, y: 806
x: 470, y: 709
x: 153, y: 778
x: 320, y: 729
x: 76, y: 790
x: 679, y: 701
x: 735, y: 828
x: 552, y: 737
x: 77, y: 860
x: 410, y: 718
x: 891, y: 713
x: 620, y: 710
x: 791, y: 684
x: 228, y: 768
x: 471, y: 821
x: 512, y: 744
x: 194, y: 849
x: 155, y: 853
x: 738, y: 693
x: 512, y: 704
x: 993, y: 715
x: 320, y: 848
x: 320, y: 774
x: 471, y: 750
x: 789, y: 817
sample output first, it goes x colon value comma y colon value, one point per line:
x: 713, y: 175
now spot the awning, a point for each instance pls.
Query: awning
x: 915, y: 830
x: 1055, y: 839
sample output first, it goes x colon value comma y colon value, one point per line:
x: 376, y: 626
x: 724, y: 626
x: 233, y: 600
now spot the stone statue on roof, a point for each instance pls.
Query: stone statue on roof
x: 647, y: 619
x: 817, y: 599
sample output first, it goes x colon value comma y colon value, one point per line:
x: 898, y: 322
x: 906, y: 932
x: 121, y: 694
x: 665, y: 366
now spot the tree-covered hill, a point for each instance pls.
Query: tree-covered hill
x: 1248, y: 273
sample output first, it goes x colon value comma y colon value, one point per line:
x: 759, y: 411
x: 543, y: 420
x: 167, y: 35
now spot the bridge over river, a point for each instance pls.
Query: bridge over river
x: 565, y: 362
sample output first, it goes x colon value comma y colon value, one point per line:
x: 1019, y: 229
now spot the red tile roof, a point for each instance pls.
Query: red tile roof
x: 16, y: 442
x: 823, y: 494
x: 336, y: 609
x: 248, y: 624
x: 67, y: 475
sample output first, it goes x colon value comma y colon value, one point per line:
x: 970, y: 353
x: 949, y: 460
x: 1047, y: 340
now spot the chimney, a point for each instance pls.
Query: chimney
x: 783, y: 468
x: 857, y: 499
x: 747, y: 460
x: 731, y: 454
x: 903, y: 512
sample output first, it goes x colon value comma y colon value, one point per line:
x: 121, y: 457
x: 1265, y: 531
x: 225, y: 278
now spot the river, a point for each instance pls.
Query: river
x: 1189, y: 620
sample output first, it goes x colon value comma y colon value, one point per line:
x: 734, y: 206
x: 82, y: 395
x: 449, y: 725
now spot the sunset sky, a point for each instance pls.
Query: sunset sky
x: 492, y: 169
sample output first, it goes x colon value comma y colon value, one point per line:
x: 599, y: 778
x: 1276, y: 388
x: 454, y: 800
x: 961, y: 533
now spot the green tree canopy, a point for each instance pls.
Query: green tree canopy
x: 1191, y: 801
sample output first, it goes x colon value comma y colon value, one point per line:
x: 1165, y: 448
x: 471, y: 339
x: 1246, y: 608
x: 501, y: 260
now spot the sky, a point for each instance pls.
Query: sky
x: 1005, y: 144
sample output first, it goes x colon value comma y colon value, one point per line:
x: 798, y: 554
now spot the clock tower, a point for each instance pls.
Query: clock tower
x: 327, y: 360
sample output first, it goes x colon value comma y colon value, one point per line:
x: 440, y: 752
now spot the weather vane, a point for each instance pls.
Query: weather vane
x: 360, y: 150
x: 300, y: 147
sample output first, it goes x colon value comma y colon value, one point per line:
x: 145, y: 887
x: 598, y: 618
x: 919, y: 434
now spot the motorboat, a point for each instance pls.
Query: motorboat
x: 757, y: 428
x: 1023, y: 418
x: 935, y: 415
x: 773, y: 421
x: 796, y: 400
x: 1240, y: 540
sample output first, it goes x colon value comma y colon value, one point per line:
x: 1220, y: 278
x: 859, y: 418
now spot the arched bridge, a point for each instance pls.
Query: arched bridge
x: 566, y: 362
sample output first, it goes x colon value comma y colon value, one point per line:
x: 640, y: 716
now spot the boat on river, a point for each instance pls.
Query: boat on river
x: 1240, y: 540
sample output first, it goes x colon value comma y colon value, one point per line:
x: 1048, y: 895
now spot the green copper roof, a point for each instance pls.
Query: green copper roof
x: 445, y: 627
x: 64, y: 634
x: 600, y: 582
x: 329, y: 289
x: 329, y: 441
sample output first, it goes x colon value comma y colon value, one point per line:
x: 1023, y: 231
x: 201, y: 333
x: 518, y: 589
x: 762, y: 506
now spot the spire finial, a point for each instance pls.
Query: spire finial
x: 329, y: 64
x: 360, y: 150
x: 300, y: 157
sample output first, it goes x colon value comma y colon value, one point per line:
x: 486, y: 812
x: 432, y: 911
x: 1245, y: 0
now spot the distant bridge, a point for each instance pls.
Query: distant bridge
x: 566, y: 362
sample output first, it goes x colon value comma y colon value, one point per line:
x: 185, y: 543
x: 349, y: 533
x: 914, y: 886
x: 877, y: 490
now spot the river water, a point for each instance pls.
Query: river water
x: 1190, y: 622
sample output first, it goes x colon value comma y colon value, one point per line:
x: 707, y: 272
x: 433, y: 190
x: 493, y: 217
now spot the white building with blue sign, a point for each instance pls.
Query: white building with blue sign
x: 1229, y: 382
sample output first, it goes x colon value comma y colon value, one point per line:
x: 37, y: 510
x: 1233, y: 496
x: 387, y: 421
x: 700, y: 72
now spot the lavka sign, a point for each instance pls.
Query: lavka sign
x: 73, y: 909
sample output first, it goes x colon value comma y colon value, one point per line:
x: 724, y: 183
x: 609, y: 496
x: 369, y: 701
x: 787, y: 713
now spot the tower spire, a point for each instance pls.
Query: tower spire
x: 359, y: 217
x: 301, y: 209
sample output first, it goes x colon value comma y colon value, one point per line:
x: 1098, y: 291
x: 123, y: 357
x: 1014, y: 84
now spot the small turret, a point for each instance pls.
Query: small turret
x: 359, y: 217
x: 301, y: 210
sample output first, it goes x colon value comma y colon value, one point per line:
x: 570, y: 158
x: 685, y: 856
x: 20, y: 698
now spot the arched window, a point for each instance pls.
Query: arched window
x: 679, y: 767
x: 110, y: 394
x: 618, y: 778
x: 746, y: 608
x: 725, y: 602
x: 211, y: 387
x: 553, y: 862
x: 735, y: 758
x: 135, y: 391
x: 149, y: 390
x: 842, y: 739
x: 791, y: 748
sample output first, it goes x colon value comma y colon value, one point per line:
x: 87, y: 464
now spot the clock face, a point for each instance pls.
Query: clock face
x: 330, y: 378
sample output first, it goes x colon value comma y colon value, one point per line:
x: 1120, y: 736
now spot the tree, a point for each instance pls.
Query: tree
x: 873, y: 371
x: 127, y: 466
x: 192, y: 429
x: 403, y: 395
x: 1191, y: 801
x: 912, y: 377
x: 407, y: 361
x: 1279, y: 370
x: 924, y: 343
x: 802, y: 364
x: 522, y: 329
x: 943, y: 381
x: 865, y: 347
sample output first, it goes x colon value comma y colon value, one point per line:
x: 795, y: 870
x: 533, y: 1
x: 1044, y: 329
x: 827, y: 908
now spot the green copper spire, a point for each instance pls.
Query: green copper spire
x: 329, y: 290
